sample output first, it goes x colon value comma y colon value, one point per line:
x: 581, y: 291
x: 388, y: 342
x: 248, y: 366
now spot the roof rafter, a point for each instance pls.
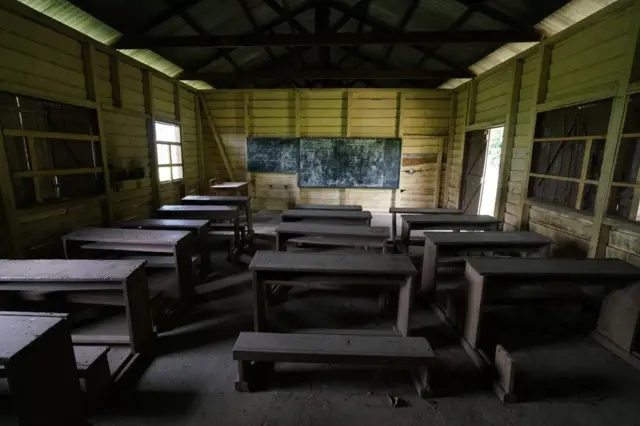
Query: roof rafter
x: 162, y: 17
x: 408, y: 14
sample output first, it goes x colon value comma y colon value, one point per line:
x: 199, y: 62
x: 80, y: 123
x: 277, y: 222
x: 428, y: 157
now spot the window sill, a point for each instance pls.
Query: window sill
x: 559, y: 209
x: 620, y: 223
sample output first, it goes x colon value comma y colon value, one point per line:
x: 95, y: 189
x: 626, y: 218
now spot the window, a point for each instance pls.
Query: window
x: 169, y: 151
x: 624, y: 199
x: 53, y: 150
x: 567, y: 154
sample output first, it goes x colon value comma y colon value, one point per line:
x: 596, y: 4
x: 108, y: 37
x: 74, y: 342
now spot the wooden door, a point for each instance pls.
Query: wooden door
x: 475, y: 152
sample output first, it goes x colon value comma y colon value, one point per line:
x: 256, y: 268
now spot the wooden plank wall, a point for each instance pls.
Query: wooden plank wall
x: 421, y: 117
x: 584, y: 65
x: 42, y: 60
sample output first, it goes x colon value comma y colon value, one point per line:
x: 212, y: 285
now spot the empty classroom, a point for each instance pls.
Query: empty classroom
x: 320, y: 212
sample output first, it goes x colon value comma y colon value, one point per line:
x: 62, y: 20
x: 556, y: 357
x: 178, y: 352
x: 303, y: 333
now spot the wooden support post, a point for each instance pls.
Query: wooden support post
x: 471, y: 103
x: 35, y: 166
x: 436, y: 192
x: 147, y: 83
x: 9, y: 203
x: 614, y: 132
x: 202, y: 173
x: 116, y: 87
x: 450, y: 143
x: 400, y: 135
x: 508, y: 138
x: 177, y: 103
x: 217, y: 137
x: 88, y: 58
x: 247, y: 135
x: 583, y: 173
x: 540, y: 93
x: 349, y: 103
x: 470, y: 109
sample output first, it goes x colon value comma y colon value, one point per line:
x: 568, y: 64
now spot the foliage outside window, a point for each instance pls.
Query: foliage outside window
x: 53, y: 150
x: 624, y: 199
x: 169, y: 151
x: 567, y: 154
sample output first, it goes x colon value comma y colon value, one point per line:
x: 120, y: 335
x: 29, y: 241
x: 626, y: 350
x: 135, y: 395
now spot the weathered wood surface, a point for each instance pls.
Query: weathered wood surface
x: 197, y: 209
x: 337, y: 230
x: 338, y: 207
x: 487, y: 239
x: 417, y: 221
x: 19, y: 331
x: 60, y: 271
x: 146, y: 248
x: 131, y: 236
x: 417, y: 210
x: 332, y: 348
x: 590, y: 269
x: 230, y: 185
x: 216, y: 200
x: 364, y: 263
x: 325, y: 214
x: 166, y: 224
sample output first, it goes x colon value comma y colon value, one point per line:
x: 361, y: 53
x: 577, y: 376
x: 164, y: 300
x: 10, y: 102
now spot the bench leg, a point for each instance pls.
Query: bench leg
x: 97, y: 380
x: 422, y: 381
x: 253, y: 376
x: 506, y: 368
x: 405, y: 306
x: 244, y: 383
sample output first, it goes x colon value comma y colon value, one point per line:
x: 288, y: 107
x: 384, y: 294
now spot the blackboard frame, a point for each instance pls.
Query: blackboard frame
x: 386, y: 139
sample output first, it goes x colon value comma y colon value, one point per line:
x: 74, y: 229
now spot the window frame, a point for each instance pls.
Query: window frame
x: 169, y: 144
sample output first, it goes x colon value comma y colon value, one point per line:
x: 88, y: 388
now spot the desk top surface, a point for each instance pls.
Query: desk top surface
x: 306, y: 228
x: 127, y: 236
x: 339, y: 207
x: 335, y: 214
x: 197, y: 209
x: 230, y: 185
x: 216, y: 200
x: 446, y: 219
x: 417, y: 210
x: 19, y: 329
x: 164, y: 223
x: 57, y: 270
x: 365, y: 263
x: 554, y: 268
x: 487, y: 238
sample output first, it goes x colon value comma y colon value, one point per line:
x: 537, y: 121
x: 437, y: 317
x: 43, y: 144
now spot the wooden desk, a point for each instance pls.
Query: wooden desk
x: 413, y: 210
x: 333, y: 235
x: 328, y: 216
x: 212, y: 213
x: 238, y: 188
x: 320, y: 270
x: 175, y: 243
x: 455, y: 222
x: 198, y: 227
x: 343, y: 207
x: 37, y: 353
x: 217, y: 200
x: 127, y: 276
x: 447, y: 244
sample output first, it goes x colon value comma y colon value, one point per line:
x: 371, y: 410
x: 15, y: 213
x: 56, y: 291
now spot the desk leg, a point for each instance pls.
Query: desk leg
x: 259, y: 304
x: 44, y: 383
x: 184, y: 270
x: 236, y: 234
x: 138, y: 311
x: 405, y: 306
x: 247, y: 209
x: 205, y: 255
x: 405, y: 237
x: 281, y: 241
x: 429, y: 266
x: 474, y: 308
x: 393, y: 231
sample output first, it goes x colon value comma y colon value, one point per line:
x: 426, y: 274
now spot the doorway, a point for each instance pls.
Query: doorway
x: 481, y: 170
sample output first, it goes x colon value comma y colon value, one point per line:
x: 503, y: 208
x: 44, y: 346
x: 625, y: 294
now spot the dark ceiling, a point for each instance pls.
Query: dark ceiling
x: 322, y: 43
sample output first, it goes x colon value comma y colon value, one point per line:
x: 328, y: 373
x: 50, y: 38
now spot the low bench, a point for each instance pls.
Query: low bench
x: 327, y: 216
x: 335, y: 271
x: 256, y: 354
x: 174, y: 243
x: 331, y: 235
x: 451, y: 222
x: 413, y: 210
x: 199, y: 228
x: 340, y: 207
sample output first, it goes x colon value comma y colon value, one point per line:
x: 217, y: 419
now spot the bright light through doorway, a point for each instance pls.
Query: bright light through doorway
x: 491, y: 172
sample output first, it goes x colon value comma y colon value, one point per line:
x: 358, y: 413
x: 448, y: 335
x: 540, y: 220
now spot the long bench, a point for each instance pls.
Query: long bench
x: 335, y: 271
x: 256, y: 354
x: 199, y: 228
x: 451, y: 222
x: 510, y: 279
x: 174, y: 243
x: 339, y: 207
x: 395, y: 211
x: 328, y: 216
x: 331, y: 235
x: 222, y: 200
x: 438, y: 245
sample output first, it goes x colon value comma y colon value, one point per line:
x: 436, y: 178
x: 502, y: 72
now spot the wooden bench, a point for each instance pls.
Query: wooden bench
x: 505, y: 279
x: 328, y: 216
x: 199, y: 228
x: 413, y: 210
x: 36, y: 354
x: 451, y: 222
x: 331, y: 235
x: 339, y: 207
x: 325, y: 270
x: 174, y: 243
x: 219, y: 200
x: 213, y: 214
x: 256, y: 354
x: 439, y: 245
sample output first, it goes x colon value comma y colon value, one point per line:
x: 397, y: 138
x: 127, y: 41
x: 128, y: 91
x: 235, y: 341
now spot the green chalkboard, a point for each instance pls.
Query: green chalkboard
x: 272, y: 155
x: 349, y: 162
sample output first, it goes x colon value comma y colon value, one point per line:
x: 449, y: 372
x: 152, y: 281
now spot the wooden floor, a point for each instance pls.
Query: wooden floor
x: 568, y: 378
